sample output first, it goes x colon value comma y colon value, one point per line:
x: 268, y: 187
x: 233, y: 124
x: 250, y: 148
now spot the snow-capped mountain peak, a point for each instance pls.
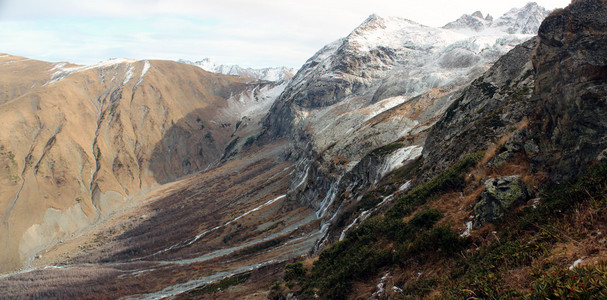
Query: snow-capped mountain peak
x: 525, y: 20
x: 394, y: 33
x: 268, y: 74
x: 475, y: 21
x: 391, y: 56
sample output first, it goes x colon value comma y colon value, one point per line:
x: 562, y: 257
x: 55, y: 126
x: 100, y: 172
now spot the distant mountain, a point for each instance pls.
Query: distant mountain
x: 269, y: 74
x: 391, y: 56
x: 525, y: 20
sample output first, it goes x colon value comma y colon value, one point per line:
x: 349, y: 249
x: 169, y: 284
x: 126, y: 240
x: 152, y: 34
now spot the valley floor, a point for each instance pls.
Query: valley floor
x: 180, y: 236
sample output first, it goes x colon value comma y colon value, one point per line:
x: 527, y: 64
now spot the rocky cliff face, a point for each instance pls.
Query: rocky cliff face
x: 557, y: 81
x: 493, y: 106
x: 538, y: 111
x: 569, y: 120
x: 78, y: 141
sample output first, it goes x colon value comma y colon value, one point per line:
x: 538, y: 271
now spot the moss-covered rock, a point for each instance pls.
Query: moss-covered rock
x: 499, y: 195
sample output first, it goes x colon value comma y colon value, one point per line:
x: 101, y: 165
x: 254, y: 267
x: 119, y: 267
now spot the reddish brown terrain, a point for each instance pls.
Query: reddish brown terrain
x: 200, y: 229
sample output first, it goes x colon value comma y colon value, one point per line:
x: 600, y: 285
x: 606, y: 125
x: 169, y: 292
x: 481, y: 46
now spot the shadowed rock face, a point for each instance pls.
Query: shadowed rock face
x: 570, y: 118
x: 566, y: 99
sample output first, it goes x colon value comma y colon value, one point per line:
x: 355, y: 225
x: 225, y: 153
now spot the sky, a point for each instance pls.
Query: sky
x: 251, y: 33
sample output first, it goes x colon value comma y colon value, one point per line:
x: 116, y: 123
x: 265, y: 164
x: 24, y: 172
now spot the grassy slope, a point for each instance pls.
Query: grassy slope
x: 525, y: 254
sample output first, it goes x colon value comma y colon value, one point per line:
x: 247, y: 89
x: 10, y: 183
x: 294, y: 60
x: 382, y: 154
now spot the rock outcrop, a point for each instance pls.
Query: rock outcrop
x: 500, y: 195
x: 569, y: 120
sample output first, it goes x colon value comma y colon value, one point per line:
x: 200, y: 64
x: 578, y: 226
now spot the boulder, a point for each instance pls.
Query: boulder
x: 499, y: 195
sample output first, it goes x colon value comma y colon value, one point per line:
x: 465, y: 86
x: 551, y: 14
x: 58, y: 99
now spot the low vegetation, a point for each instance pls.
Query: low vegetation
x: 216, y: 287
x: 519, y: 256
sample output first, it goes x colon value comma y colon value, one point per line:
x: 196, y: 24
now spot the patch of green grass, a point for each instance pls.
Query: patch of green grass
x: 295, y: 271
x: 218, y: 286
x: 426, y: 218
x: 450, y: 179
x: 368, y: 201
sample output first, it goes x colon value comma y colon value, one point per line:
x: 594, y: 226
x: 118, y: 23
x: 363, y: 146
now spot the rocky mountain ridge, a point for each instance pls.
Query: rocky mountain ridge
x: 268, y: 74
x: 525, y: 20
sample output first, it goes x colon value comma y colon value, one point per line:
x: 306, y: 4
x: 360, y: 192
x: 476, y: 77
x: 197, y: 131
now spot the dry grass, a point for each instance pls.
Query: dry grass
x: 362, y: 290
x: 308, y: 263
x: 493, y: 149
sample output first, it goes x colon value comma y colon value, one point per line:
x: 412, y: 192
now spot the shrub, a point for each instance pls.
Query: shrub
x: 250, y: 140
x: 218, y: 286
x: 295, y: 271
x: 587, y: 282
x: 426, y: 218
x: 386, y: 149
x: 440, y: 239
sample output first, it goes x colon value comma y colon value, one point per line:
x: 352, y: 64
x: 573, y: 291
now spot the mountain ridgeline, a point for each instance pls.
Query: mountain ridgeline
x: 401, y: 161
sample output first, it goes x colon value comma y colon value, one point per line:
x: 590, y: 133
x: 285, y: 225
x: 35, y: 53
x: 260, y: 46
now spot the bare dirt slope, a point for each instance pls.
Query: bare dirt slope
x: 76, y: 142
x: 229, y: 220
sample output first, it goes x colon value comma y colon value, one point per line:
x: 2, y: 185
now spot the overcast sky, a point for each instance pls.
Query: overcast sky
x: 254, y: 33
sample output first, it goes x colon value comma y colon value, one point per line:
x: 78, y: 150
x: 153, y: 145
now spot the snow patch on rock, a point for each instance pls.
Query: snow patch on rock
x: 399, y: 157
x: 61, y: 70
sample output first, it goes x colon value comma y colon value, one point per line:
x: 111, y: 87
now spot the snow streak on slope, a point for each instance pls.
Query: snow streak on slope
x: 145, y: 69
x: 62, y: 70
x: 399, y: 158
x: 252, y: 104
